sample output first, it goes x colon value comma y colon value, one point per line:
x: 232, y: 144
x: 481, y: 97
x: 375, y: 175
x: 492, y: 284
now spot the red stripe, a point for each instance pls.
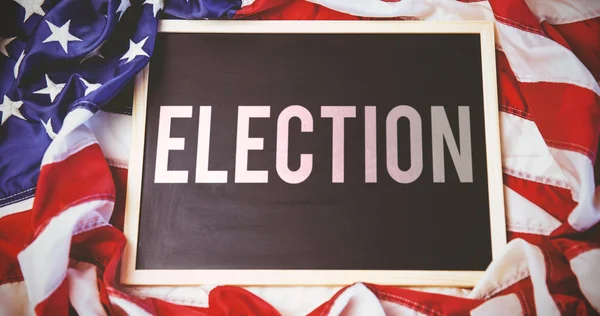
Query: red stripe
x: 583, y: 38
x: 222, y: 300
x: 567, y: 116
x: 82, y: 177
x: 119, y: 176
x: 576, y: 248
x: 102, y: 247
x: 15, y: 234
x: 554, y: 34
x: 302, y: 10
x: 523, y: 289
x: 517, y: 14
x: 57, y: 303
x: 511, y: 100
x: 258, y: 7
x: 299, y: 10
x: 98, y: 246
x: 562, y: 283
x: 573, y: 243
x: 554, y: 200
x: 290, y: 10
x: 232, y: 300
x: 597, y: 165
x: 426, y: 303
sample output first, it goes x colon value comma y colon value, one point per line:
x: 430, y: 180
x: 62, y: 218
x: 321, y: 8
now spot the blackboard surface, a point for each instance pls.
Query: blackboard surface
x: 316, y: 224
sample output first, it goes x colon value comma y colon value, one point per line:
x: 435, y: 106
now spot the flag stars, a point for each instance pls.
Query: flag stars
x: 3, y: 43
x: 31, y: 7
x: 48, y: 128
x: 52, y: 89
x: 156, y: 5
x: 123, y: 7
x: 90, y: 87
x: 95, y: 52
x: 61, y: 35
x: 18, y: 64
x: 135, y: 49
x: 9, y: 108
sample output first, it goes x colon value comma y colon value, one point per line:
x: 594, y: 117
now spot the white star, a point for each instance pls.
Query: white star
x: 90, y: 87
x: 123, y: 7
x: 3, y: 43
x: 48, y: 128
x: 135, y: 49
x: 52, y: 89
x: 61, y: 35
x: 95, y: 52
x: 31, y: 7
x: 16, y: 70
x: 156, y: 5
x: 10, y: 108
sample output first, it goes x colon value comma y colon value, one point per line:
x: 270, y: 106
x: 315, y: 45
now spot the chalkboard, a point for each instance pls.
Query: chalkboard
x: 315, y: 153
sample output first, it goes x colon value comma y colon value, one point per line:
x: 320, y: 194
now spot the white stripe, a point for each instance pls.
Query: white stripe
x: 586, y: 268
x: 126, y: 307
x: 526, y: 217
x: 14, y: 300
x: 544, y: 303
x: 579, y: 171
x: 500, y: 306
x: 536, y: 58
x: 181, y: 295
x: 451, y: 291
x: 428, y: 10
x: 72, y: 137
x: 552, y: 11
x: 394, y: 309
x: 83, y: 289
x: 356, y: 300
x: 15, y: 208
x: 113, y: 133
x: 564, y: 11
x: 532, y: 57
x: 518, y: 260
x: 44, y: 262
x: 525, y: 154
x: 294, y: 300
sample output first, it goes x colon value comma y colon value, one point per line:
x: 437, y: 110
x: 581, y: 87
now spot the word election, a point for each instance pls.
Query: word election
x: 440, y: 128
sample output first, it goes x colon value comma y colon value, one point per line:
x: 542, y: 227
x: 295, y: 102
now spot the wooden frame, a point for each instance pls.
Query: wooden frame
x: 130, y: 275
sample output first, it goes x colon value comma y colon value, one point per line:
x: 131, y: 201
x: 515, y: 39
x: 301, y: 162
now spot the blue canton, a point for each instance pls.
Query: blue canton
x: 56, y: 56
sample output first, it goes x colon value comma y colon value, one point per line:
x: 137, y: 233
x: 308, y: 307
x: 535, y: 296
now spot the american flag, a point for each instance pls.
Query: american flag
x: 66, y: 67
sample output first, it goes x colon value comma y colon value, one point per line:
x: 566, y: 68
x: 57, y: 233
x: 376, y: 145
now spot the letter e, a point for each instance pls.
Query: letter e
x: 246, y: 143
x: 165, y: 143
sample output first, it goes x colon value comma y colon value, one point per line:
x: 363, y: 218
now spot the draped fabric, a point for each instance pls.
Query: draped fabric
x: 66, y: 67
